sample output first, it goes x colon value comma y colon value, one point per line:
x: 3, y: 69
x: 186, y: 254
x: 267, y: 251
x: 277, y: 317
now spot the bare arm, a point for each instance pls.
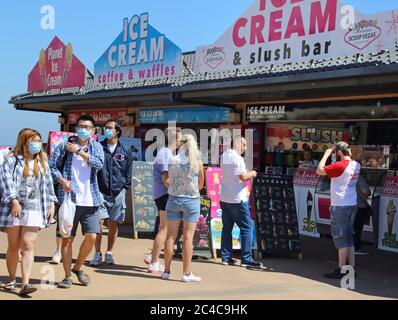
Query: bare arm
x: 165, y: 179
x: 247, y: 176
x: 201, y: 175
x: 321, y: 166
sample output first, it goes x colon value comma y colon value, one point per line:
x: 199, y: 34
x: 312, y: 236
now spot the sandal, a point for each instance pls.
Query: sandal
x: 27, y: 290
x: 11, y: 285
x: 83, y: 278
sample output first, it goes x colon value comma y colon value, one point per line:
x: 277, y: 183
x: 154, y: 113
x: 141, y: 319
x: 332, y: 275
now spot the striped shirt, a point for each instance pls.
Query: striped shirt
x: 11, y: 180
x: 96, y: 161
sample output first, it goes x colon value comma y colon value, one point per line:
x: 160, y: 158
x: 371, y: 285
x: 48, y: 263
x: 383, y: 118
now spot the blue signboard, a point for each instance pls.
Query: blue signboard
x: 139, y: 53
x: 184, y: 115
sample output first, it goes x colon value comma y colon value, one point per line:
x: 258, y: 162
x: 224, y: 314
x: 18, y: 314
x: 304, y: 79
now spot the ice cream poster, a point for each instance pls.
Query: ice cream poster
x: 216, y: 231
x: 388, y: 220
x: 213, y: 186
x: 139, y: 52
x: 57, y: 68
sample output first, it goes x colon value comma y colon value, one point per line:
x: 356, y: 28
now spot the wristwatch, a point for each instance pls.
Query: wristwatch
x: 78, y: 151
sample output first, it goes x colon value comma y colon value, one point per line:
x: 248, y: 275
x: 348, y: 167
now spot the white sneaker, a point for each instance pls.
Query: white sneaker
x: 165, y: 275
x: 57, y: 257
x: 97, y: 260
x: 109, y: 258
x: 191, y: 278
x: 155, y: 268
x: 148, y: 259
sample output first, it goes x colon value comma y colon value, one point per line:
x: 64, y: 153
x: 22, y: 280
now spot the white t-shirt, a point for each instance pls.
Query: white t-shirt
x: 344, y: 177
x: 232, y: 189
x: 112, y: 147
x: 81, y: 179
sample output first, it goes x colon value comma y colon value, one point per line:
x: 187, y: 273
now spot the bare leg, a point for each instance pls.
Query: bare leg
x: 351, y: 256
x: 112, y: 234
x: 66, y: 252
x: 343, y: 256
x: 85, y: 249
x: 14, y: 241
x: 172, y: 233
x: 160, y: 239
x: 99, y: 237
x: 187, y: 250
x: 28, y: 239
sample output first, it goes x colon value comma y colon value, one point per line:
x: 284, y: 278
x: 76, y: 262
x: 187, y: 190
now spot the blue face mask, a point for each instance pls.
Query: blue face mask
x: 109, y: 134
x: 83, y: 134
x: 34, y: 148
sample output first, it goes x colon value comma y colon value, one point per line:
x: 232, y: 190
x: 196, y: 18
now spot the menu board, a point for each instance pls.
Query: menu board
x: 276, y: 214
x: 144, y: 209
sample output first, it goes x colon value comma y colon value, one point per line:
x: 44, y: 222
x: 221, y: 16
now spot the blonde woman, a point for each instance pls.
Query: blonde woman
x: 185, y: 179
x: 27, y: 204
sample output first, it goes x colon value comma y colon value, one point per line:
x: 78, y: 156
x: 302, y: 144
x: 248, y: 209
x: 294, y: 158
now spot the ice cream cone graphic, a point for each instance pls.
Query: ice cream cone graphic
x: 390, y: 211
x: 42, y: 66
x: 67, y: 62
x: 309, y: 206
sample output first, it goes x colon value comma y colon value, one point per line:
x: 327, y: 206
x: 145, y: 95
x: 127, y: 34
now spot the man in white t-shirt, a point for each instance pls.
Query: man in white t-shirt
x: 234, y: 201
x: 77, y: 177
x: 344, y: 175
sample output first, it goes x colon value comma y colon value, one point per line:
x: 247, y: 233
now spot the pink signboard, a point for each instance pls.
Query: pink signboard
x: 57, y: 68
x: 213, y: 185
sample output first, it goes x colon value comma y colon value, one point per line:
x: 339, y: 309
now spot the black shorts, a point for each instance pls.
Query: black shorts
x: 162, y: 202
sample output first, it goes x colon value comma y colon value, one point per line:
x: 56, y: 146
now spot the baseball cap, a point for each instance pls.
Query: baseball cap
x: 344, y: 147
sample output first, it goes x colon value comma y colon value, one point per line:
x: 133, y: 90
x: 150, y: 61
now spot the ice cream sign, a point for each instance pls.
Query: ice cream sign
x: 139, y: 52
x: 286, y: 31
x: 57, y: 68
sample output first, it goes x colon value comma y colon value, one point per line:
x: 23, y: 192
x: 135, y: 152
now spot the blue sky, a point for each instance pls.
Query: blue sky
x: 91, y: 26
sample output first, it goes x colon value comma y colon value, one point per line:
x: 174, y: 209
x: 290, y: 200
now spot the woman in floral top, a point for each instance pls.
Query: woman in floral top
x: 185, y: 180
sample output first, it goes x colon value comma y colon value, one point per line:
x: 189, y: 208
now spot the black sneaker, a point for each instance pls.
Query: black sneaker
x: 252, y: 265
x: 336, y: 274
x: 230, y: 262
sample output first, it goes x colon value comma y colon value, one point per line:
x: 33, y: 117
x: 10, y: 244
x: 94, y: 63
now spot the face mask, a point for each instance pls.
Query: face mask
x: 108, y: 134
x: 34, y: 148
x: 83, y: 134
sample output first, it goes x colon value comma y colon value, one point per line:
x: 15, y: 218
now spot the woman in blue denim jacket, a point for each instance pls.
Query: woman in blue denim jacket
x: 27, y: 204
x: 185, y: 180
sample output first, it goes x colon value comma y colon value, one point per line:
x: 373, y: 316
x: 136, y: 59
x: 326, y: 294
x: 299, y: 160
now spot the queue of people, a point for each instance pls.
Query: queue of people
x: 96, y: 177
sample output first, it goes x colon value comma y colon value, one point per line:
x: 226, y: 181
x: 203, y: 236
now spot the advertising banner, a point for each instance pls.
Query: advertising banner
x: 282, y: 31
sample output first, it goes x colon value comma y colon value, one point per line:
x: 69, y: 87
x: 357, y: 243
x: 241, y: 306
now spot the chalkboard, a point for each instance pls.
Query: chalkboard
x: 276, y: 214
x: 144, y: 208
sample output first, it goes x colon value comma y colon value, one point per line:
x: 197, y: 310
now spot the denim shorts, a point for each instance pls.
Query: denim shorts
x: 114, y: 208
x: 89, y: 219
x: 342, y: 226
x: 183, y: 209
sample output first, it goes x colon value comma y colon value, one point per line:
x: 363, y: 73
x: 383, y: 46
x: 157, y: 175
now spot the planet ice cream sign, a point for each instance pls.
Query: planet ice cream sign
x: 286, y: 31
x: 139, y: 52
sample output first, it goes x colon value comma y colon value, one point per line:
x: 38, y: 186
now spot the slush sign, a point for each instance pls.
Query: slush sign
x: 285, y: 31
x: 140, y: 52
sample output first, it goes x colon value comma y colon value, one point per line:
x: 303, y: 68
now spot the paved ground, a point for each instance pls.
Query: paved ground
x: 290, y: 278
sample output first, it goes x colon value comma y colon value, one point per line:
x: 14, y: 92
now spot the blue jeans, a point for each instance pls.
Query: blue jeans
x: 236, y: 213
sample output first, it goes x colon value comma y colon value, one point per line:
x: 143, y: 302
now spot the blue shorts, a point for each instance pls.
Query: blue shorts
x: 342, y: 226
x: 114, y: 208
x: 183, y: 209
x: 89, y: 219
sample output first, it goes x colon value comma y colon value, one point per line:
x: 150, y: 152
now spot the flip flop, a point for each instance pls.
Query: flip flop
x: 27, y: 290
